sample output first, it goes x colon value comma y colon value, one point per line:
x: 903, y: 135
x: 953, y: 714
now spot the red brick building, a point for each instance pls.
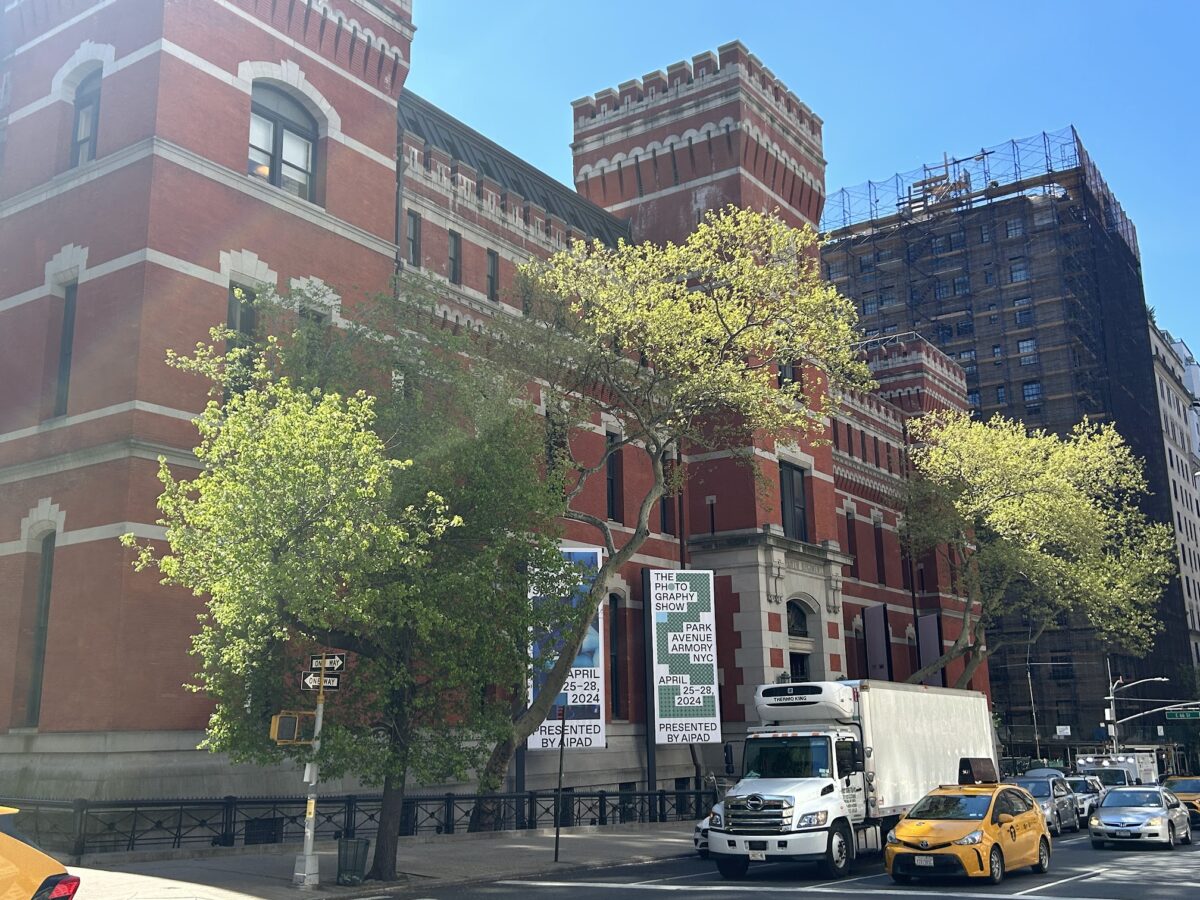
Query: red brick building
x: 155, y: 156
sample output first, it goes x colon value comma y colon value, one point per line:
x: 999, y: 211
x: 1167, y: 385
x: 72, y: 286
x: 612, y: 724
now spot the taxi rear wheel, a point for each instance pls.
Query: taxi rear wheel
x: 1043, y: 862
x: 996, y: 866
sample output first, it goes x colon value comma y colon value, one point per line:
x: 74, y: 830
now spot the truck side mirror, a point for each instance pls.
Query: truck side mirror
x: 860, y: 762
x: 729, y: 759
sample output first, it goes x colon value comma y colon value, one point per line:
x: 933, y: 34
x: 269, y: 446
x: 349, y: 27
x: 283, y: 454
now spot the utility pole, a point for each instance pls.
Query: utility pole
x: 1112, y: 706
x: 307, y: 872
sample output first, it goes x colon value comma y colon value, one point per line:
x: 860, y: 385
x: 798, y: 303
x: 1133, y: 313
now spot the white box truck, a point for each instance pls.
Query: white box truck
x: 1120, y: 769
x: 835, y: 764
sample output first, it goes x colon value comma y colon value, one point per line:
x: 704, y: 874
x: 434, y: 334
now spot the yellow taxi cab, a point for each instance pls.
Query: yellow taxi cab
x: 1187, y: 789
x: 27, y: 873
x: 973, y: 830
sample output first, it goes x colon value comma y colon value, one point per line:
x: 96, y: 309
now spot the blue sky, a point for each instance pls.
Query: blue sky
x: 896, y: 84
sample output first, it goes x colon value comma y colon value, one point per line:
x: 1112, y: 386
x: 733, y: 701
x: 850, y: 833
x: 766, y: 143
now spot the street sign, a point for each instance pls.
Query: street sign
x: 1183, y: 713
x: 1062, y: 730
x: 311, y: 681
x: 334, y: 662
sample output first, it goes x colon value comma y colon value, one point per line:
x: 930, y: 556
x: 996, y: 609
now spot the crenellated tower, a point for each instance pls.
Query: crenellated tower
x: 663, y: 149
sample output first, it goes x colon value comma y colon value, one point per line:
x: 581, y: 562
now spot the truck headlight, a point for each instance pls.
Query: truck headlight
x: 975, y: 837
x: 891, y: 838
x: 812, y: 820
x: 714, y: 820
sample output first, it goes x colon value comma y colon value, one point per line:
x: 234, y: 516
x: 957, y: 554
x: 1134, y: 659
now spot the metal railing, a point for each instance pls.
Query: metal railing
x: 81, y: 827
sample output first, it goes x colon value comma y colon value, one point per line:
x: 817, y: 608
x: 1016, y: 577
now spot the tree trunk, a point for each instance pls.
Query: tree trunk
x: 974, y: 660
x: 488, y: 814
x: 383, y: 868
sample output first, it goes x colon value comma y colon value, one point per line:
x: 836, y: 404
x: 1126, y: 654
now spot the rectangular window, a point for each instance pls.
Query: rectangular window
x: 66, y: 349
x: 870, y: 306
x: 837, y: 433
x: 962, y: 285
x: 941, y: 290
x: 967, y: 354
x: 1018, y: 271
x: 614, y: 656
x: 413, y: 238
x: 612, y: 478
x: 966, y: 327
x: 887, y: 297
x: 493, y: 275
x: 866, y: 263
x: 997, y: 351
x: 798, y: 666
x: 973, y: 399
x: 941, y: 243
x: 795, y: 511
x: 985, y: 234
x: 1024, y: 311
x: 1014, y: 228
x: 1028, y: 350
x: 1001, y: 394
x: 455, y: 258
x: 880, y: 558
x: 1031, y: 391
x: 41, y: 628
x: 836, y: 269
x: 890, y: 329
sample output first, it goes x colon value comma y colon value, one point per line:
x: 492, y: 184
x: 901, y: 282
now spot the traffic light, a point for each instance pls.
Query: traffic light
x: 293, y: 727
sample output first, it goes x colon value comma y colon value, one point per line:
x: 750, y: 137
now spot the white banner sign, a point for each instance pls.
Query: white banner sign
x: 577, y: 716
x: 686, y: 705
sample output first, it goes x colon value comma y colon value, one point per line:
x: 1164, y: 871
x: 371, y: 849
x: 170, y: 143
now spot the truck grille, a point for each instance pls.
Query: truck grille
x: 757, y: 814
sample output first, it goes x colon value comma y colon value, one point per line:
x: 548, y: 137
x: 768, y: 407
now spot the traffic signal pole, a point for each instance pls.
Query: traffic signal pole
x: 307, y: 872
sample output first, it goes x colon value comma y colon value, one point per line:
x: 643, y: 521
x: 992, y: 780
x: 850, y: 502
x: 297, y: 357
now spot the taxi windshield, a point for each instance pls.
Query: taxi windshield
x: 788, y: 757
x: 951, y: 806
x: 1183, y: 785
x: 1132, y: 798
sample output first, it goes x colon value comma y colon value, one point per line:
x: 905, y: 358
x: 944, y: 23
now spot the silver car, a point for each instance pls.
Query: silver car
x: 1142, y: 815
x: 1056, y: 800
x: 700, y: 838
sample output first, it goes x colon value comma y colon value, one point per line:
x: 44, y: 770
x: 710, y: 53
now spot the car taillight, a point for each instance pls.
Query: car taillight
x: 65, y: 888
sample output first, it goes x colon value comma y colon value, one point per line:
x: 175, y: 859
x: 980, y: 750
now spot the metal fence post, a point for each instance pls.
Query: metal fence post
x: 79, y: 828
x: 349, y: 815
x: 662, y: 805
x: 448, y: 815
x: 533, y: 811
x: 604, y: 807
x: 229, y: 821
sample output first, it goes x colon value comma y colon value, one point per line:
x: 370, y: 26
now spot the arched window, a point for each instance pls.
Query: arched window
x: 797, y: 619
x: 615, y: 652
x: 283, y: 141
x: 41, y: 629
x: 87, y: 120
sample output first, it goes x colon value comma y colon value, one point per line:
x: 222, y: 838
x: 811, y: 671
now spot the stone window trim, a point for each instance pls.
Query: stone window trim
x: 87, y: 59
x: 42, y: 519
x: 289, y: 77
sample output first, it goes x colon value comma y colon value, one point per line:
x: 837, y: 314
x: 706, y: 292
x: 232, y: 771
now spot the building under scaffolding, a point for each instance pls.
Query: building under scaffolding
x: 1019, y: 262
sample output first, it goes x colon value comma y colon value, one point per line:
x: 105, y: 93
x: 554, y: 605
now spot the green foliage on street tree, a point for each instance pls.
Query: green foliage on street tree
x: 1038, y: 526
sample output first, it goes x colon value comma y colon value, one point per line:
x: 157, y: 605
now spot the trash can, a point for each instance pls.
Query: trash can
x: 352, y: 860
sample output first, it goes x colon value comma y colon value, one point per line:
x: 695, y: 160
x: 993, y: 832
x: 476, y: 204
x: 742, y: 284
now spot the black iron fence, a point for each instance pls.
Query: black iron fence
x: 80, y: 826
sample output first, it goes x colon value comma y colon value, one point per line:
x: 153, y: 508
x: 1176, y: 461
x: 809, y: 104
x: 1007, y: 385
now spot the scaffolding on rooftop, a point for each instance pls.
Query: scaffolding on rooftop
x: 1033, y: 165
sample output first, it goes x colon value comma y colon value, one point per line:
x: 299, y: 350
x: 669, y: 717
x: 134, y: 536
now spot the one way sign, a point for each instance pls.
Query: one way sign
x: 311, y: 681
x: 333, y: 662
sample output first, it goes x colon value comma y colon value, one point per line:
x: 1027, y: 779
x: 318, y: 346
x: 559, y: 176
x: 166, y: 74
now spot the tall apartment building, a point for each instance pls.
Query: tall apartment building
x: 157, y: 157
x: 1177, y: 409
x: 1019, y: 263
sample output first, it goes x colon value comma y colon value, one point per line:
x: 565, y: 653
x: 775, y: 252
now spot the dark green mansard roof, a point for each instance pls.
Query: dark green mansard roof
x: 512, y: 173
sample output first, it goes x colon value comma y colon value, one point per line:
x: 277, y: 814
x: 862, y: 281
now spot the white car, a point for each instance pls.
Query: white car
x: 1088, y: 791
x: 1141, y: 815
x: 700, y: 837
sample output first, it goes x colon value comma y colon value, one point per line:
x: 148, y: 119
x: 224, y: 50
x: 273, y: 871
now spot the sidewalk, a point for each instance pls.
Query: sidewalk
x: 427, y: 864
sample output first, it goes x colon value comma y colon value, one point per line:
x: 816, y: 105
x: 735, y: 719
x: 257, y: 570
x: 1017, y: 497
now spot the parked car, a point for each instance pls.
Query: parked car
x: 700, y: 837
x: 1187, y: 789
x: 1088, y: 790
x: 977, y: 830
x: 1056, y: 799
x: 26, y: 873
x: 1145, y: 815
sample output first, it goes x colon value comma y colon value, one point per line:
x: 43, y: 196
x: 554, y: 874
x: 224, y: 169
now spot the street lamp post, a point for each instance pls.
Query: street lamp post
x: 1113, y: 687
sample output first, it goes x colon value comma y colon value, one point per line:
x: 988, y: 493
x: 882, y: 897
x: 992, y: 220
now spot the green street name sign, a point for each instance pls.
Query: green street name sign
x: 1183, y: 713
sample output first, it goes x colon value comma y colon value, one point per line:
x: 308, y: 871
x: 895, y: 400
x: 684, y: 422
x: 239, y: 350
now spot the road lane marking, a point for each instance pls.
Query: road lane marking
x: 1045, y: 887
x: 771, y: 889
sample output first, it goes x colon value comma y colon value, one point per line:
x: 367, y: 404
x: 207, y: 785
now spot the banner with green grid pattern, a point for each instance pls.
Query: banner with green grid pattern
x: 686, y: 707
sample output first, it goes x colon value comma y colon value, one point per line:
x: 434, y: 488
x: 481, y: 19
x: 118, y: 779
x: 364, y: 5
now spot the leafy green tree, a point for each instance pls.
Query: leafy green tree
x: 383, y: 525
x: 1035, y: 525
x: 671, y: 346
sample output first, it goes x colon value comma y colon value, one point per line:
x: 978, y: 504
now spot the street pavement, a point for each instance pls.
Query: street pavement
x: 432, y: 863
x: 634, y: 861
x: 1077, y: 871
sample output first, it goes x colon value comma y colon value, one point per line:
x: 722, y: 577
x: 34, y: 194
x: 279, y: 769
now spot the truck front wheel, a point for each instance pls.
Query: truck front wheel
x: 732, y: 866
x: 837, y: 855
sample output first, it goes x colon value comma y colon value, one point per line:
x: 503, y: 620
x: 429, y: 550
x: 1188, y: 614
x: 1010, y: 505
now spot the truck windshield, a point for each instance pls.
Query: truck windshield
x: 788, y: 757
x: 1111, y: 777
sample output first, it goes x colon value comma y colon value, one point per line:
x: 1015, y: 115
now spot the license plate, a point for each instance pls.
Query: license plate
x: 758, y: 856
x: 1122, y: 832
x: 923, y: 861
